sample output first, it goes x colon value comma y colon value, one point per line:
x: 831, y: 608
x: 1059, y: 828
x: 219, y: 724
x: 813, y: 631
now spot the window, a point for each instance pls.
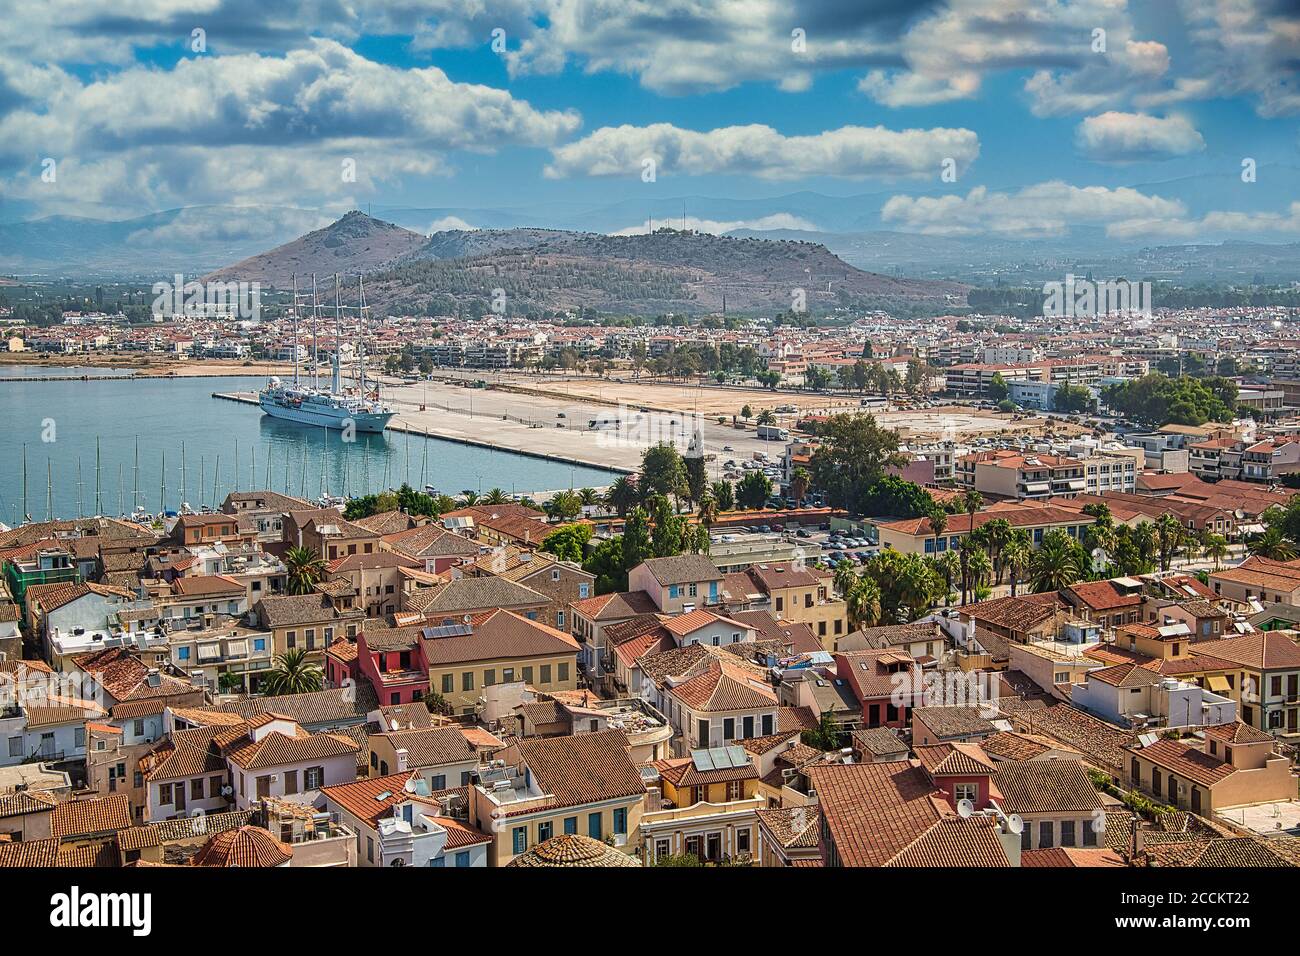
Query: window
x: 555, y: 575
x: 570, y: 825
x: 1067, y: 833
x: 462, y: 858
x: 728, y: 729
x: 196, y: 789
x: 593, y: 826
x: 545, y: 831
x: 507, y: 675
x: 562, y: 671
x: 748, y: 724
x: 291, y: 639
x: 767, y: 722
x: 467, y: 680
x: 620, y: 820
x: 448, y: 683
x: 438, y: 782
x: 263, y: 786
x: 183, y: 653
x: 520, y: 840
x: 528, y: 675
x: 291, y: 781
x: 546, y: 673
x: 1045, y: 835
x: 742, y: 840
x: 584, y: 590
x: 489, y: 677
x: 164, y: 794
x: 259, y: 643
x: 965, y: 791
x: 663, y: 848
x: 1089, y: 834
x: 214, y: 786
x: 313, y: 778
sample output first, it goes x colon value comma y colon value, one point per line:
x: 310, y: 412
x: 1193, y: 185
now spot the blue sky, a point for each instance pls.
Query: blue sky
x: 1049, y: 113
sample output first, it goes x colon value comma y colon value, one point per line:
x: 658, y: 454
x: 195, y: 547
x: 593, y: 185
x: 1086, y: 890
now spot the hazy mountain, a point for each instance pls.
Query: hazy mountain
x: 356, y: 243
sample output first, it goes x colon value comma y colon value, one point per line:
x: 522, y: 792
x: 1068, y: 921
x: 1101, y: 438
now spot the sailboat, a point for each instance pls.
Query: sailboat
x: 335, y: 407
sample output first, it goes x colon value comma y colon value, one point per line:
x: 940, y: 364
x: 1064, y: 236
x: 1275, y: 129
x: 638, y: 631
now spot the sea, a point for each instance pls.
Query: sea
x: 112, y: 444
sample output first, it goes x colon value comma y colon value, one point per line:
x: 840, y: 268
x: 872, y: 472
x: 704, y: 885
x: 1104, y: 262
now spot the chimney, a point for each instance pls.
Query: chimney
x: 401, y: 759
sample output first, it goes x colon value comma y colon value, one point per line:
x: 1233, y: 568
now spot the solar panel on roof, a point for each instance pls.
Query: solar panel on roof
x: 446, y: 630
x: 702, y: 759
x: 738, y: 756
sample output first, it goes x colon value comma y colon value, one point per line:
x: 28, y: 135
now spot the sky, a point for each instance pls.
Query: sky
x: 1163, y: 120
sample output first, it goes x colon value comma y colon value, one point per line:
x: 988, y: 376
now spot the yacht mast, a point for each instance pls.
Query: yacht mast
x: 338, y: 338
x: 315, y: 350
x: 295, y: 328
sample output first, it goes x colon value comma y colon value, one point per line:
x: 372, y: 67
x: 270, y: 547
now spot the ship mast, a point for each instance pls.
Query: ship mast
x: 295, y: 328
x: 361, y: 330
x: 338, y: 338
x: 315, y: 350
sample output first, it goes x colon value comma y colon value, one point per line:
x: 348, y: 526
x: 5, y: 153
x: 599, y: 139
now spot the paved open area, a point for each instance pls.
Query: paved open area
x: 1267, y: 818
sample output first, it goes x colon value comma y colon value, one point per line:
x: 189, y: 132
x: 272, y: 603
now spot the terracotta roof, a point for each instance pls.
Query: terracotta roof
x: 1104, y: 595
x: 955, y: 841
x: 77, y: 818
x: 244, y: 846
x: 793, y: 827
x: 572, y: 850
x: 1265, y: 650
x: 875, y: 810
x: 963, y: 760
x: 1238, y: 733
x: 588, y: 768
x: 502, y: 635
x: 616, y: 606
x: 432, y: 746
x: 954, y: 721
x: 682, y: 569
x: 1045, y: 786
x: 1187, y: 760
x: 467, y: 595
x: 182, y: 828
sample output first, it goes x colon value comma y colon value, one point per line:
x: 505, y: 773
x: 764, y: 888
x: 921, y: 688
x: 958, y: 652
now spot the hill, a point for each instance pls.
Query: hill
x: 352, y: 244
x: 646, y: 274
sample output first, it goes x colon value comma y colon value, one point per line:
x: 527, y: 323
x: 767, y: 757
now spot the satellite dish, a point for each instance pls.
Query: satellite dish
x: 1015, y: 824
x: 965, y: 808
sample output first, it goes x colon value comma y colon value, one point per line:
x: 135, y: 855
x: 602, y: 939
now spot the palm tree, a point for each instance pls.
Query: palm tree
x: 864, y: 603
x: 799, y: 484
x: 1272, y: 544
x: 292, y: 674
x: 588, y: 496
x: 968, y: 546
x: 1216, y: 548
x: 845, y: 576
x: 979, y: 566
x: 972, y: 501
x: 622, y: 495
x: 938, y: 525
x: 304, y: 569
x: 997, y: 533
x: 1169, y: 536
x: 495, y: 496
x: 1055, y: 564
x: 1016, y: 556
x: 708, y: 510
x: 468, y: 498
x: 947, y: 567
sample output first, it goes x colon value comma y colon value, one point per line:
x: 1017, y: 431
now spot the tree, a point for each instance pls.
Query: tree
x: 765, y: 417
x: 622, y: 495
x: 998, y: 389
x: 292, y: 674
x: 1169, y: 538
x: 724, y: 493
x: 662, y: 473
x: 667, y: 537
x: 1216, y: 548
x: 496, y: 496
x: 853, y: 456
x: 1272, y: 544
x: 897, y: 497
x: 844, y: 576
x: 589, y: 497
x: 1055, y: 564
x: 606, y: 563
x: 1072, y: 398
x: 697, y: 478
x: 972, y: 501
x: 996, y: 534
x: 568, y: 542
x: 564, y: 505
x: 746, y: 412
x: 863, y: 600
x: 826, y: 736
x: 1016, y: 556
x: 799, y: 483
x: 636, y: 538
x: 1155, y: 400
x: 938, y: 525
x: 753, y: 490
x: 304, y: 570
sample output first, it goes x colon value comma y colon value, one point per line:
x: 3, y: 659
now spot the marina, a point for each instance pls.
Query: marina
x: 194, y: 450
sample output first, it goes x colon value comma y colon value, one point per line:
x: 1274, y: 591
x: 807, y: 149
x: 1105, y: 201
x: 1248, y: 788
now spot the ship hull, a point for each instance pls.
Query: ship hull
x: 367, y: 422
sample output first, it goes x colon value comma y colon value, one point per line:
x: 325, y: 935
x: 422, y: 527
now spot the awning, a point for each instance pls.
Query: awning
x: 1219, y: 684
x: 1037, y: 486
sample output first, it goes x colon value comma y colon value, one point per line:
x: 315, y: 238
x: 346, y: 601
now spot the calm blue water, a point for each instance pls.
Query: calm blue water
x: 63, y: 371
x: 60, y: 421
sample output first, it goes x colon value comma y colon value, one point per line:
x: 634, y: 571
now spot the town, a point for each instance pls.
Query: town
x: 1052, y: 620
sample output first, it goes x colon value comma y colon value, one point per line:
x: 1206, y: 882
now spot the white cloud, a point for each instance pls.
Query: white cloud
x: 851, y: 151
x: 779, y: 220
x: 1045, y: 209
x: 1120, y: 137
x: 256, y: 128
x: 447, y: 224
x: 1211, y: 225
